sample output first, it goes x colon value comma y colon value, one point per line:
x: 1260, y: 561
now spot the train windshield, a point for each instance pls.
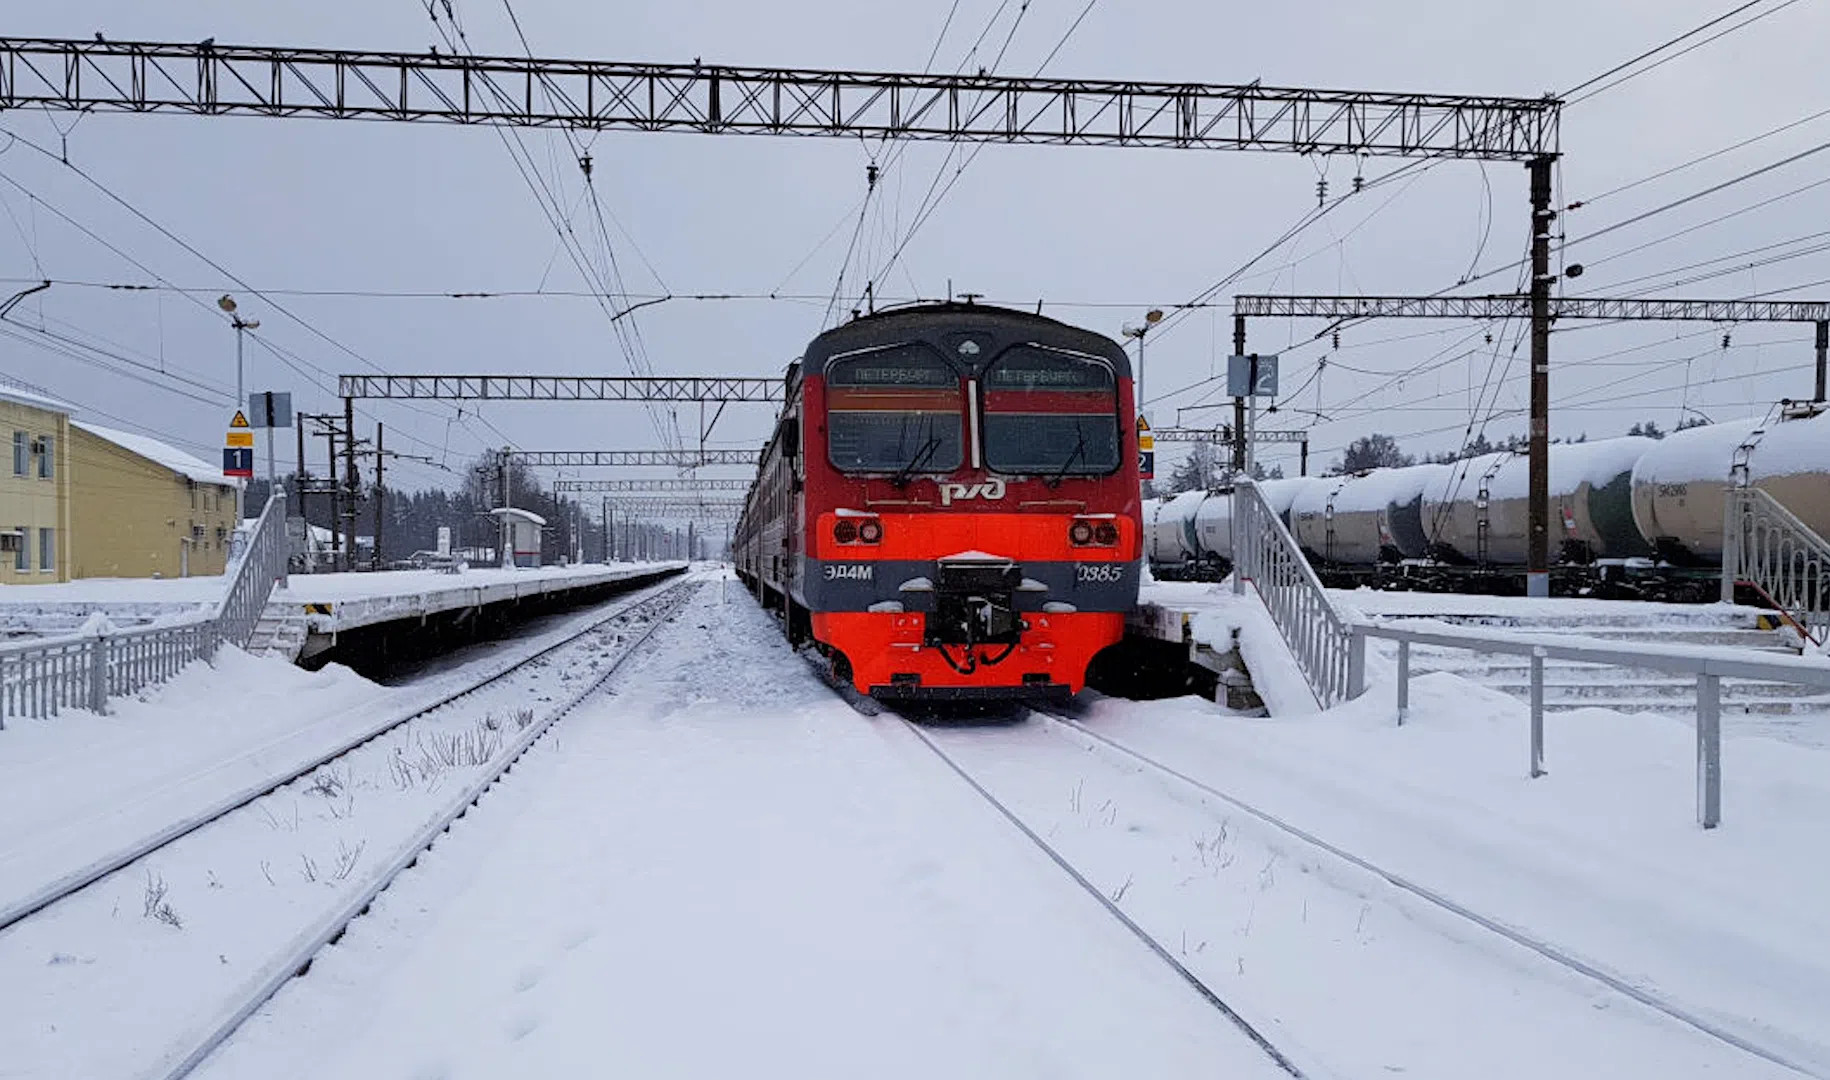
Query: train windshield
x: 896, y: 410
x: 1051, y: 414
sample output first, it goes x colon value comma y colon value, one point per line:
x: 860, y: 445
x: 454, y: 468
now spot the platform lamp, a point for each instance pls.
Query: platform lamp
x: 241, y: 325
x: 1151, y: 318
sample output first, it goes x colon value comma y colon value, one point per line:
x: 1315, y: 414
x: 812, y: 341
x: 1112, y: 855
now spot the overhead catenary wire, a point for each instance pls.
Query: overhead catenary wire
x: 1570, y: 96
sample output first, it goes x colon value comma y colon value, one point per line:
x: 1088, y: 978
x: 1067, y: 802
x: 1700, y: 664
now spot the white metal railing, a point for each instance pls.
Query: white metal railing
x: 1709, y: 669
x: 263, y: 563
x: 1265, y: 554
x: 1767, y: 547
x: 40, y: 678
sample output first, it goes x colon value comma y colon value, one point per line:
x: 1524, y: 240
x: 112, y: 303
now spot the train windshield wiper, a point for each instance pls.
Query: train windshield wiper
x: 922, y: 454
x: 1080, y: 448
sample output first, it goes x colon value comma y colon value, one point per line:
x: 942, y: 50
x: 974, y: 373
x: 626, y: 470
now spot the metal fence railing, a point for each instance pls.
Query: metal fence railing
x: 38, y: 679
x: 263, y: 563
x: 1766, y: 547
x: 1709, y: 670
x: 1265, y: 554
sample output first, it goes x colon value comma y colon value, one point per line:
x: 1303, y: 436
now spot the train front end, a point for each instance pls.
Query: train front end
x: 972, y: 508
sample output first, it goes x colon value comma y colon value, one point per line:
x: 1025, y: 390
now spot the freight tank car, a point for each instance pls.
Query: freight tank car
x: 1679, y: 485
x: 949, y: 507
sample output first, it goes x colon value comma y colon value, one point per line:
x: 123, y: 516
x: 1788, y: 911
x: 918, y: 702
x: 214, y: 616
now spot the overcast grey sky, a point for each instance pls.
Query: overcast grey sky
x: 315, y: 205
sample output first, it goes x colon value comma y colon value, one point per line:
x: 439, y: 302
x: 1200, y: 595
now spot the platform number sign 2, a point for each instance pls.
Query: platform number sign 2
x: 1146, y: 450
x: 1251, y: 376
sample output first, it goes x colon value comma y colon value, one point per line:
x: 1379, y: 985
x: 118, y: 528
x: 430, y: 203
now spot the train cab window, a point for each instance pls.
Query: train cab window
x: 895, y: 410
x: 1050, y: 414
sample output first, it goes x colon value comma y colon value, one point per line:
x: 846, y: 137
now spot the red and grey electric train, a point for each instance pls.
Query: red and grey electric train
x: 949, y: 505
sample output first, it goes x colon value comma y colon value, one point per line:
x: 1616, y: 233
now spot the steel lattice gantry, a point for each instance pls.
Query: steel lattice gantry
x: 213, y: 79
x: 1507, y: 306
x: 575, y: 487
x: 675, y: 507
x: 1224, y: 435
x: 690, y: 459
x: 557, y: 388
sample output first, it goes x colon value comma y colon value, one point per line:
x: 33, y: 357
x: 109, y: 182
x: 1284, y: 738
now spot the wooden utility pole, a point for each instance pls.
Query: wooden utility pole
x: 1823, y: 349
x: 352, y: 484
x: 375, y: 561
x: 1238, y: 402
x: 1537, y: 550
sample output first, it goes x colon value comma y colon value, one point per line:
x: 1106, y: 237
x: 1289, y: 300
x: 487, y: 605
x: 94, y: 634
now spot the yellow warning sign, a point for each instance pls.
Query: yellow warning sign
x: 1143, y: 425
x: 1146, y: 442
x: 240, y: 439
x: 240, y: 421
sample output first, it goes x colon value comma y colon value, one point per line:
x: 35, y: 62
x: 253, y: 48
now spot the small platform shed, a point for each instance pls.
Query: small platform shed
x: 521, y: 529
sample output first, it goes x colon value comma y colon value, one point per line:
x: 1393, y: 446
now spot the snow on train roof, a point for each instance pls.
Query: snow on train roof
x: 1708, y: 453
x: 1571, y: 465
x: 1370, y: 491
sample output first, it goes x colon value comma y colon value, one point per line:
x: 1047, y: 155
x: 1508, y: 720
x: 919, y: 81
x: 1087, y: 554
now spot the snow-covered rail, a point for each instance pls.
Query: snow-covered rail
x: 1699, y: 1020
x: 51, y: 892
x: 1111, y: 905
x: 181, y: 1060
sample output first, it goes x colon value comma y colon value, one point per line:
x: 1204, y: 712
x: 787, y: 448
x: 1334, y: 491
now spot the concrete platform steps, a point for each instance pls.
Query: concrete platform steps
x: 1570, y: 685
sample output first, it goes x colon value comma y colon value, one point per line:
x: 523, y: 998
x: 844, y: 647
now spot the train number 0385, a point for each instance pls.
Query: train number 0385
x: 849, y: 571
x: 1100, y: 572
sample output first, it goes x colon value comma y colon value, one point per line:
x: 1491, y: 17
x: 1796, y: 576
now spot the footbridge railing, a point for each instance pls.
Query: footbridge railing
x: 1766, y: 547
x: 1267, y: 556
x: 39, y: 679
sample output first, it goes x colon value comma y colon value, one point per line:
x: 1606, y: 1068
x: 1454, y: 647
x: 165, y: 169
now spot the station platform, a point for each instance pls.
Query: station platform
x: 349, y: 617
x: 319, y: 614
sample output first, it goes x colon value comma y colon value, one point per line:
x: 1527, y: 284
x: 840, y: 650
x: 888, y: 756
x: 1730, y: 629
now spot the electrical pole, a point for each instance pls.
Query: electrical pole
x: 1823, y: 348
x: 352, y: 482
x: 379, y: 498
x: 336, y: 493
x: 1238, y: 402
x: 1537, y: 552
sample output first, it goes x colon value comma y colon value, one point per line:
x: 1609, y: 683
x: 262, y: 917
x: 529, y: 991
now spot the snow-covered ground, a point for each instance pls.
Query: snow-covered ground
x: 77, y: 787
x: 724, y: 871
x: 716, y: 868
x: 124, y: 975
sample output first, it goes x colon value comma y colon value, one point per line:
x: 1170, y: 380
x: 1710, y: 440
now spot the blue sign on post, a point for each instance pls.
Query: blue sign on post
x: 1251, y: 376
x: 238, y: 461
x: 1146, y: 464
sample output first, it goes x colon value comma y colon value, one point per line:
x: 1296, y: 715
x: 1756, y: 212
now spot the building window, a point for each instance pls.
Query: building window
x: 193, y: 487
x: 13, y: 543
x: 46, y: 458
x: 22, y: 453
x: 47, y: 549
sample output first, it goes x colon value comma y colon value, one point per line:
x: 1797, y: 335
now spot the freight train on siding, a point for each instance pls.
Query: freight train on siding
x: 949, y: 506
x: 1634, y: 517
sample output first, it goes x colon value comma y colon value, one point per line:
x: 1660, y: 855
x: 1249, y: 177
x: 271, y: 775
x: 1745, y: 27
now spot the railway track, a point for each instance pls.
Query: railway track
x: 631, y: 623
x: 1547, y: 950
x: 1149, y: 941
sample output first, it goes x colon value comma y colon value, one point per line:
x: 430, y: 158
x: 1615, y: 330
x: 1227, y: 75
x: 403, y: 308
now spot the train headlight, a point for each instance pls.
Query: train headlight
x: 1105, y: 534
x: 1080, y: 533
x: 845, y: 531
x: 871, y: 531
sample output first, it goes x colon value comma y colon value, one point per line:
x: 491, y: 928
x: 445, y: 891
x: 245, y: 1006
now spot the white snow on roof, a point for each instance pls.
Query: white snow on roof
x: 22, y: 396
x: 1708, y: 453
x: 517, y: 512
x: 155, y: 451
x: 1372, y: 491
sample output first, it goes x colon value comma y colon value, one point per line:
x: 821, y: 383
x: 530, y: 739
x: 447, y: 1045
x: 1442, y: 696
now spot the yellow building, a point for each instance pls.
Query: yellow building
x: 140, y: 508
x: 34, y: 488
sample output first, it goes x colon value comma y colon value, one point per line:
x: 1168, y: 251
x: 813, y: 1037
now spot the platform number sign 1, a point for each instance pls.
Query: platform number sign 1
x: 238, y: 448
x: 1146, y: 450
